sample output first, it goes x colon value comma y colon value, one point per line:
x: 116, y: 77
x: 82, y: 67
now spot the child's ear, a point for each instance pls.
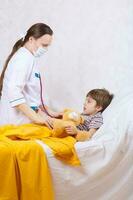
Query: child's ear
x: 99, y: 108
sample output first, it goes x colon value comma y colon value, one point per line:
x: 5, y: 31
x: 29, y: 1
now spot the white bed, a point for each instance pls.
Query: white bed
x: 106, y: 172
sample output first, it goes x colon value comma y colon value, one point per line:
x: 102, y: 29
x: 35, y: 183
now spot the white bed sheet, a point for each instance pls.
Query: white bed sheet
x: 106, y: 172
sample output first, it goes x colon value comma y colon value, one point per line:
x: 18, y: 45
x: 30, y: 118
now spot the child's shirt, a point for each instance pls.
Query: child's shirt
x: 91, y: 121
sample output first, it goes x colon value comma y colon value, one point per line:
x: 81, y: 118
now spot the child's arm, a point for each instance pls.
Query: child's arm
x: 85, y: 135
x: 80, y: 135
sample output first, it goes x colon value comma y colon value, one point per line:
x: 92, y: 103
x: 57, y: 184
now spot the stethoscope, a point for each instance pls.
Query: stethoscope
x: 41, y: 96
x: 35, y: 108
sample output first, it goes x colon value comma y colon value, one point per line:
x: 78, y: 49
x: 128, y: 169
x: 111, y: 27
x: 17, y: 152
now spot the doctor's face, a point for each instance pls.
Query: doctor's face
x: 44, y: 41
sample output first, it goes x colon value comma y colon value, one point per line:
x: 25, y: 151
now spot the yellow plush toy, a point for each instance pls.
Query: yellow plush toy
x: 70, y: 118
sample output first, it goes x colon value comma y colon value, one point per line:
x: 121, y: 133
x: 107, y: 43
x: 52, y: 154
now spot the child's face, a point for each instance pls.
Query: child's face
x: 90, y: 106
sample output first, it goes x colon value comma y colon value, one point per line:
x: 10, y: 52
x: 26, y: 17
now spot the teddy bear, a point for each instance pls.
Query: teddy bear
x: 70, y: 118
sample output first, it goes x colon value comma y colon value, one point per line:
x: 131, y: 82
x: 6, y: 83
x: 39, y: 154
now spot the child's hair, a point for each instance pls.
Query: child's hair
x: 37, y: 30
x: 101, y: 96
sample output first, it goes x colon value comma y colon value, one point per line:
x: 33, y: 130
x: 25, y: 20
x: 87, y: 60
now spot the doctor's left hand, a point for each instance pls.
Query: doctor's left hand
x: 40, y: 120
x: 48, y: 121
x: 35, y: 117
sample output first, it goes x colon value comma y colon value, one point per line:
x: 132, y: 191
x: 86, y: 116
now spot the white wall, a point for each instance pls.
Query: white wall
x: 92, y: 45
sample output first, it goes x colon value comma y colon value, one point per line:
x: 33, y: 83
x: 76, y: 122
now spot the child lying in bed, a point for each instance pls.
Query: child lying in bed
x: 96, y: 102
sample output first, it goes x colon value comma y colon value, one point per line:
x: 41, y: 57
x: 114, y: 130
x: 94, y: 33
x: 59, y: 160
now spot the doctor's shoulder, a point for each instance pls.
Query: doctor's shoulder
x: 24, y: 54
x: 22, y: 58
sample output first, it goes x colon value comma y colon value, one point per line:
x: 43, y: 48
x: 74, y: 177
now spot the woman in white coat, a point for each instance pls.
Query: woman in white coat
x: 20, y: 83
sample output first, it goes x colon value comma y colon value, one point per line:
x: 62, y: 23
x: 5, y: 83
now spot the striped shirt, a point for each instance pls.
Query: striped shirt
x: 91, y: 121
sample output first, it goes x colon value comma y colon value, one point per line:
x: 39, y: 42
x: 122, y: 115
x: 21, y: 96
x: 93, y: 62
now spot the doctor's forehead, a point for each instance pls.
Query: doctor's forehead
x: 45, y: 40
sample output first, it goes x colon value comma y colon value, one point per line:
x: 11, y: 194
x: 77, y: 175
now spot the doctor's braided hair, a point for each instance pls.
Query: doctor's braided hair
x: 37, y: 30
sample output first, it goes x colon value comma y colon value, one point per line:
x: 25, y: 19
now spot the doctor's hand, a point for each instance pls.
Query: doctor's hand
x: 35, y: 117
x: 49, y: 121
x: 40, y: 120
x: 45, y: 119
x: 57, y: 115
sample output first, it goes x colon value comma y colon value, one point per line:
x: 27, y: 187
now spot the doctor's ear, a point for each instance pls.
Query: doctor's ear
x: 31, y: 39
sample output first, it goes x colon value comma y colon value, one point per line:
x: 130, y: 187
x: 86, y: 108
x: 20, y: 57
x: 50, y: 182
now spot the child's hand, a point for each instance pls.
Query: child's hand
x: 71, y: 130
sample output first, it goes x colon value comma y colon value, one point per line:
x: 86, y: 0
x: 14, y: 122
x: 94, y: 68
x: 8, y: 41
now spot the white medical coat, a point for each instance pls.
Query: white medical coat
x: 21, y: 85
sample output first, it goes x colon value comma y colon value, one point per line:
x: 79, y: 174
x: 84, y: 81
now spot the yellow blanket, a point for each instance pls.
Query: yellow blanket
x: 24, y: 169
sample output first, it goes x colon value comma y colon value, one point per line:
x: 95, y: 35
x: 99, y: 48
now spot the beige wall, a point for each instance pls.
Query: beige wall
x: 92, y: 45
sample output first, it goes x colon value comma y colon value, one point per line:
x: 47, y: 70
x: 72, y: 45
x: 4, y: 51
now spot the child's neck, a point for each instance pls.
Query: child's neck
x: 92, y: 114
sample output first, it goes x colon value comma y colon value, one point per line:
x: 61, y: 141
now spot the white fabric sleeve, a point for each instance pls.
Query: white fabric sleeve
x: 20, y: 69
